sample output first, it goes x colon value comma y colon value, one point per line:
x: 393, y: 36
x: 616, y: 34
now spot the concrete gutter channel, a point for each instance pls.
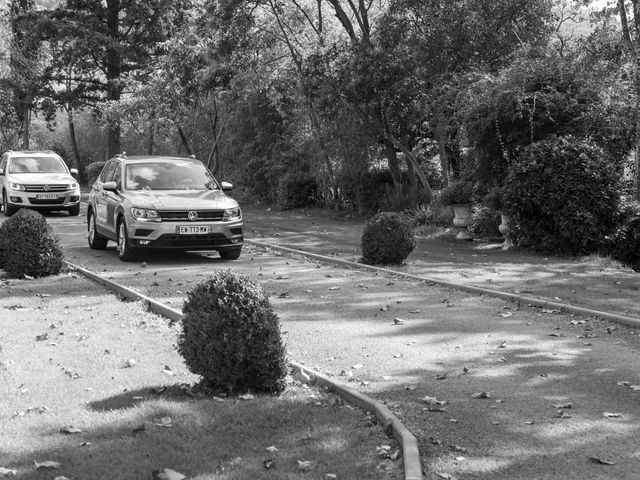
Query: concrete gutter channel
x: 391, y: 424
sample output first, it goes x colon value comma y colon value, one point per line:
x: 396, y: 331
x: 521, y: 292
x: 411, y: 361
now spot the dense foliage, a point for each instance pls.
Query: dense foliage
x: 624, y: 243
x: 93, y: 171
x: 28, y: 246
x: 563, y: 195
x: 457, y: 193
x: 387, y: 239
x: 231, y: 335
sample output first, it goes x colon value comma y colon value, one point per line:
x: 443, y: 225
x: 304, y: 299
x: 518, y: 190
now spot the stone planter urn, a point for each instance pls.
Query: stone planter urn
x: 461, y: 220
x: 504, y: 230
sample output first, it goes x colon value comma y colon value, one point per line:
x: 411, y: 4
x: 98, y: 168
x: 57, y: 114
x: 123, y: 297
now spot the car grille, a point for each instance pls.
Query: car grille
x: 193, y: 241
x: 182, y: 216
x: 55, y: 201
x: 52, y: 188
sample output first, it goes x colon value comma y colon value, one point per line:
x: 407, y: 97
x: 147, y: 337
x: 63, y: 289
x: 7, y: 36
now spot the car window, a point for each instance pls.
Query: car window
x: 106, y: 172
x: 3, y: 162
x: 176, y: 175
x: 36, y: 164
x: 116, y: 175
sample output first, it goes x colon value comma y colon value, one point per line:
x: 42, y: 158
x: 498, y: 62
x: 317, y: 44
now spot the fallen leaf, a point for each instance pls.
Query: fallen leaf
x: 503, y: 345
x: 506, y: 314
x: 562, y: 405
x: 433, y: 401
x: 357, y: 366
x: 442, y: 376
x: 304, y: 465
x: 167, y: 474
x: 130, y: 363
x: 329, y: 476
x: 457, y: 448
x: 167, y: 370
x: 165, y: 422
x: 601, y: 461
x: 612, y: 415
x: 268, y: 464
x: 69, y: 430
x: 271, y: 449
x: 47, y: 464
x: 385, y: 308
x: 246, y: 396
x: 548, y: 310
x: 481, y: 395
x: 61, y: 478
x: 398, y: 321
x: 334, y: 288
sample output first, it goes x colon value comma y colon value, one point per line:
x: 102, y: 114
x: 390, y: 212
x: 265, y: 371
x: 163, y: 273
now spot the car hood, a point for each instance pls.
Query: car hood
x: 41, y: 178
x: 180, y: 199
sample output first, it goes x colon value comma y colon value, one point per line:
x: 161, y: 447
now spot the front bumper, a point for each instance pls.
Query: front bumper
x: 53, y: 201
x: 165, y: 235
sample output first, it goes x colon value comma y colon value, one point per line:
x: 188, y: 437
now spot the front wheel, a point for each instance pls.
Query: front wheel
x: 8, y: 209
x: 231, y: 253
x: 74, y: 211
x: 96, y: 241
x: 126, y: 252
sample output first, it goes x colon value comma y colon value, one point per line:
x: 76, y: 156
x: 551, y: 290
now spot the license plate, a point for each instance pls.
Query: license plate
x: 193, y: 229
x: 47, y: 196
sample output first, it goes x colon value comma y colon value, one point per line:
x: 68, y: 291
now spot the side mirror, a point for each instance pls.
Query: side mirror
x: 1, y: 171
x: 74, y: 171
x: 110, y: 187
x: 226, y: 186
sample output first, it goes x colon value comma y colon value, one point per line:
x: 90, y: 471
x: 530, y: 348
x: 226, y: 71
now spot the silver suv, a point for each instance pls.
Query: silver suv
x: 161, y: 202
x: 38, y: 180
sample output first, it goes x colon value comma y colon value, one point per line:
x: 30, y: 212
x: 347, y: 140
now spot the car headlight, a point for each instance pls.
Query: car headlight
x: 16, y: 186
x: 145, y: 214
x: 72, y: 186
x: 231, y: 214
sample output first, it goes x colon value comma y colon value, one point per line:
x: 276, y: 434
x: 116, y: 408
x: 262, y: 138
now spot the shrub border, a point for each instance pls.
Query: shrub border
x: 390, y: 423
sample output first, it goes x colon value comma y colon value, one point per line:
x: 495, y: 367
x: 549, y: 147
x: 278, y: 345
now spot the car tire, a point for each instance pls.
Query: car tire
x: 8, y: 209
x: 231, y: 253
x: 96, y: 241
x: 74, y: 211
x: 126, y: 252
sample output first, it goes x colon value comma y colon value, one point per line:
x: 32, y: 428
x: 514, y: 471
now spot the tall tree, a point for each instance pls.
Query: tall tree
x: 118, y: 39
x: 25, y: 76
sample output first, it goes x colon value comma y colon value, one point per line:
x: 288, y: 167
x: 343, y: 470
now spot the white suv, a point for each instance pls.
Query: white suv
x: 38, y: 180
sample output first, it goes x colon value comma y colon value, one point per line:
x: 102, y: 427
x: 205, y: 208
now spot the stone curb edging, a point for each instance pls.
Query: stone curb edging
x: 391, y: 424
x: 519, y: 299
x: 410, y: 452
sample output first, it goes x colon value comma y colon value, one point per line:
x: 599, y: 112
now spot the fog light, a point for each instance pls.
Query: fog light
x: 74, y: 198
x: 144, y: 242
x: 15, y: 199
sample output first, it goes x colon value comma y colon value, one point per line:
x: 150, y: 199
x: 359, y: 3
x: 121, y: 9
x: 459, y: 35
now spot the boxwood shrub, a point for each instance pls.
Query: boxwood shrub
x: 28, y: 246
x: 231, y: 336
x: 562, y: 196
x: 388, y: 238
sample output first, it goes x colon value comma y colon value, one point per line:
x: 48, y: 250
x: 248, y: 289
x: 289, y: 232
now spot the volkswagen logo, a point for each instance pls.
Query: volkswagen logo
x: 46, y: 188
x: 193, y: 216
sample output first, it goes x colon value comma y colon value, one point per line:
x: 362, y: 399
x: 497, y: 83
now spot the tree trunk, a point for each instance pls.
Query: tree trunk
x: 74, y: 141
x: 114, y: 89
x: 394, y: 166
x: 25, y: 128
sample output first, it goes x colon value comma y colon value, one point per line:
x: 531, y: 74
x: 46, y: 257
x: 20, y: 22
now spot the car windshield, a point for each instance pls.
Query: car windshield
x: 175, y: 175
x: 37, y: 165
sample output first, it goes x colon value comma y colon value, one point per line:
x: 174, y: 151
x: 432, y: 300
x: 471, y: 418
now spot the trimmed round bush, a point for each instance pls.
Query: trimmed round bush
x: 231, y: 335
x: 28, y: 246
x: 388, y: 239
x: 562, y: 196
x: 457, y: 193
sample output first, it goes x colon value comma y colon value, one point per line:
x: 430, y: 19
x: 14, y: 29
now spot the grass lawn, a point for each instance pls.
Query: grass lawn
x: 95, y: 387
